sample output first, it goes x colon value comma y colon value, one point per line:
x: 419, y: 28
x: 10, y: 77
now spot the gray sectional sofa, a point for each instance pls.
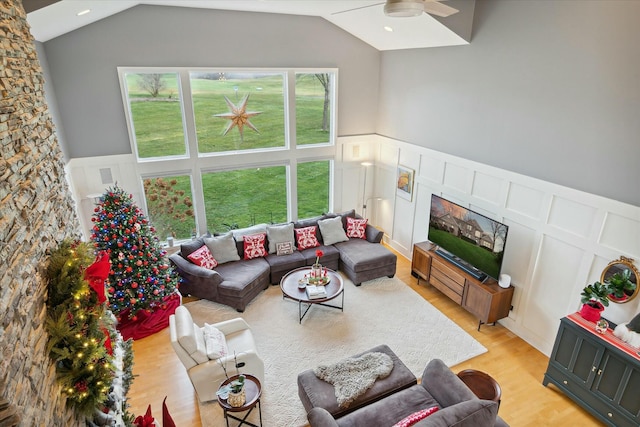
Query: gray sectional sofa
x: 236, y: 281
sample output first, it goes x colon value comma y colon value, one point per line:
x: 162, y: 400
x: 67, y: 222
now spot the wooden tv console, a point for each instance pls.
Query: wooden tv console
x: 487, y: 301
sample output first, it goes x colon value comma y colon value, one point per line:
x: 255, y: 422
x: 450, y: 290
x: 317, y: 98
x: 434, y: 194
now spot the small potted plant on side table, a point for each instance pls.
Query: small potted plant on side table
x: 237, y: 395
x: 594, y: 300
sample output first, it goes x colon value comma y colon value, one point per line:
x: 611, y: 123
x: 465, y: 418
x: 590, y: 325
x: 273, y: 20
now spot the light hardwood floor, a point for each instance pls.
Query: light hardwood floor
x: 516, y: 366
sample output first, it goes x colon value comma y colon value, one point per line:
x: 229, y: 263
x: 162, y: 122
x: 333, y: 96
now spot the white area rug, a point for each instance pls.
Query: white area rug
x: 382, y: 311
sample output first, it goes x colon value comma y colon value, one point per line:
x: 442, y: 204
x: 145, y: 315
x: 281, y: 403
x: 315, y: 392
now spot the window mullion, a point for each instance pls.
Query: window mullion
x: 290, y: 135
x: 189, y: 116
x: 192, y: 144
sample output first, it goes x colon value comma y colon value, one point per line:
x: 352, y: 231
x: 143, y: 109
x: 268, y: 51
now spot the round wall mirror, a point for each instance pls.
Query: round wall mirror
x: 622, y: 276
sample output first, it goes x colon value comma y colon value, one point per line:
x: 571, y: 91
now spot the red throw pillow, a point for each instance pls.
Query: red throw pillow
x: 203, y: 258
x: 357, y: 228
x: 415, y: 417
x: 306, y: 237
x: 254, y: 246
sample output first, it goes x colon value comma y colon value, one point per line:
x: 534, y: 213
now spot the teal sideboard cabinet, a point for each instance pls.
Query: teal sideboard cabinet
x: 598, y: 372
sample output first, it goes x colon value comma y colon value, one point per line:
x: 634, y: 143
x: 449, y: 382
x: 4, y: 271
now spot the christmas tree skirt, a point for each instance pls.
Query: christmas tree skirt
x: 148, y: 323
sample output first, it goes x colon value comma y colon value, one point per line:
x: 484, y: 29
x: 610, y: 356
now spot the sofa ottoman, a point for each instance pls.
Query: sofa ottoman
x: 362, y: 260
x: 316, y: 393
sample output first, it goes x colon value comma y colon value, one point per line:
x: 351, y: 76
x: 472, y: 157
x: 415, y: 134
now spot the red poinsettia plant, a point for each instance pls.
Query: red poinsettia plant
x: 319, y: 254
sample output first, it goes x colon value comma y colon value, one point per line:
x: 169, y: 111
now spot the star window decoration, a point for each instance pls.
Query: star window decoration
x: 238, y: 116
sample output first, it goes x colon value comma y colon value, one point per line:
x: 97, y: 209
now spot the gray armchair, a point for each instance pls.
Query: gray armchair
x: 458, y: 406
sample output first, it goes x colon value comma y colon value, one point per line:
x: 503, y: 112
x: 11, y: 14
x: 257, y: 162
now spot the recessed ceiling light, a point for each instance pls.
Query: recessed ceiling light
x: 83, y: 12
x: 388, y: 28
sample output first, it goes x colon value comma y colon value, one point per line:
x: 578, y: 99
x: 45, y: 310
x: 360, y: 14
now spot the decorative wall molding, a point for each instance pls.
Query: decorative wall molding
x: 559, y: 240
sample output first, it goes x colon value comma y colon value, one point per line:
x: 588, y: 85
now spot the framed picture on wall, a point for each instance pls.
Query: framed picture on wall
x: 404, y: 182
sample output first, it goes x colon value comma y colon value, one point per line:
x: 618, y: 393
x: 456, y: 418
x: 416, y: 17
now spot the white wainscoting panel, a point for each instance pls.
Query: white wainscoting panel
x: 621, y: 233
x: 488, y: 188
x: 456, y: 177
x: 388, y: 156
x: 572, y: 217
x: 431, y: 169
x: 352, y: 176
x: 402, y: 234
x: 525, y: 201
x: 423, y: 206
x: 519, y: 249
x: 551, y: 287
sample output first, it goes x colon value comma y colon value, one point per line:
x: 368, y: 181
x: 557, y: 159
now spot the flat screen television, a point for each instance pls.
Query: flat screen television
x: 466, y: 238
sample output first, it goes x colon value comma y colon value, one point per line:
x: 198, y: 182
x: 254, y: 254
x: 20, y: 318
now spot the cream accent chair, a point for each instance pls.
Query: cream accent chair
x: 206, y: 375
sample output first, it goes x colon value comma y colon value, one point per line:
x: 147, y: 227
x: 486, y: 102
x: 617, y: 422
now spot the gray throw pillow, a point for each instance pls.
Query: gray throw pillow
x: 280, y: 234
x: 332, y: 230
x: 239, y: 233
x: 223, y: 248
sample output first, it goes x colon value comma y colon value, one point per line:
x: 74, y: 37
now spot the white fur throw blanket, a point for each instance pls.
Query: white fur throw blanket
x: 353, y: 376
x: 630, y: 337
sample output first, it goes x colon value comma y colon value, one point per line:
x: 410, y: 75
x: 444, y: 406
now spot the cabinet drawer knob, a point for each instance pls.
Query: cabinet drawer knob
x: 609, y: 414
x: 599, y: 371
x: 565, y: 382
x: 593, y: 369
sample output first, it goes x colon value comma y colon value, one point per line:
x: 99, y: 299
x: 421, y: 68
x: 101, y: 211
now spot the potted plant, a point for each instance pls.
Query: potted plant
x: 236, y: 393
x: 620, y: 285
x: 236, y: 396
x: 594, y: 300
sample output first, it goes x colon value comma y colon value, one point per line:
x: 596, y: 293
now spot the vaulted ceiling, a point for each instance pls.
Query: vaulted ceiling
x: 364, y: 19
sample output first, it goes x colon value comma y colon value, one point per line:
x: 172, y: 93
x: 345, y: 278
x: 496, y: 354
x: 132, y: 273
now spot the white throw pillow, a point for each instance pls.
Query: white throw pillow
x: 223, y: 248
x: 279, y: 234
x: 332, y: 231
x: 215, y: 342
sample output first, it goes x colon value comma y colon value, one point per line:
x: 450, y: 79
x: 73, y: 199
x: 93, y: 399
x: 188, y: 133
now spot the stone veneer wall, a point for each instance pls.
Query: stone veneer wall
x: 36, y: 213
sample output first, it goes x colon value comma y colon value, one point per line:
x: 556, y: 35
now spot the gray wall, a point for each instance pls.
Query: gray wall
x: 548, y: 89
x: 82, y: 64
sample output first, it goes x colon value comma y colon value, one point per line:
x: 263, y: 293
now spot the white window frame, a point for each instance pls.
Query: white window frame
x: 195, y: 163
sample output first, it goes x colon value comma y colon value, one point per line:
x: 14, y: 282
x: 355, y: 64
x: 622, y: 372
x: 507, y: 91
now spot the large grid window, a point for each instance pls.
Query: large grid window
x: 238, y: 111
x: 240, y: 198
x: 216, y: 147
x: 170, y: 205
x: 314, y: 186
x: 313, y: 107
x: 156, y: 114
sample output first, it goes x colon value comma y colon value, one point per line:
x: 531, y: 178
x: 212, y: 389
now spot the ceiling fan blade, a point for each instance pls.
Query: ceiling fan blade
x: 357, y: 8
x: 436, y: 8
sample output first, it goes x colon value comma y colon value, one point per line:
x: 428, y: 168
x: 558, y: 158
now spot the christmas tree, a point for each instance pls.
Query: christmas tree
x: 81, y: 332
x: 140, y: 280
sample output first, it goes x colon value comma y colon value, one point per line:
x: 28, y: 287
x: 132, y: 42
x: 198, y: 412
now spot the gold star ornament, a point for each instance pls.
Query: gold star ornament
x: 238, y: 116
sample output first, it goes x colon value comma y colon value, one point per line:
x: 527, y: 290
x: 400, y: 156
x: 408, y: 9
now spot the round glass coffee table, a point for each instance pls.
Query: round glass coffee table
x: 253, y: 391
x: 293, y: 289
